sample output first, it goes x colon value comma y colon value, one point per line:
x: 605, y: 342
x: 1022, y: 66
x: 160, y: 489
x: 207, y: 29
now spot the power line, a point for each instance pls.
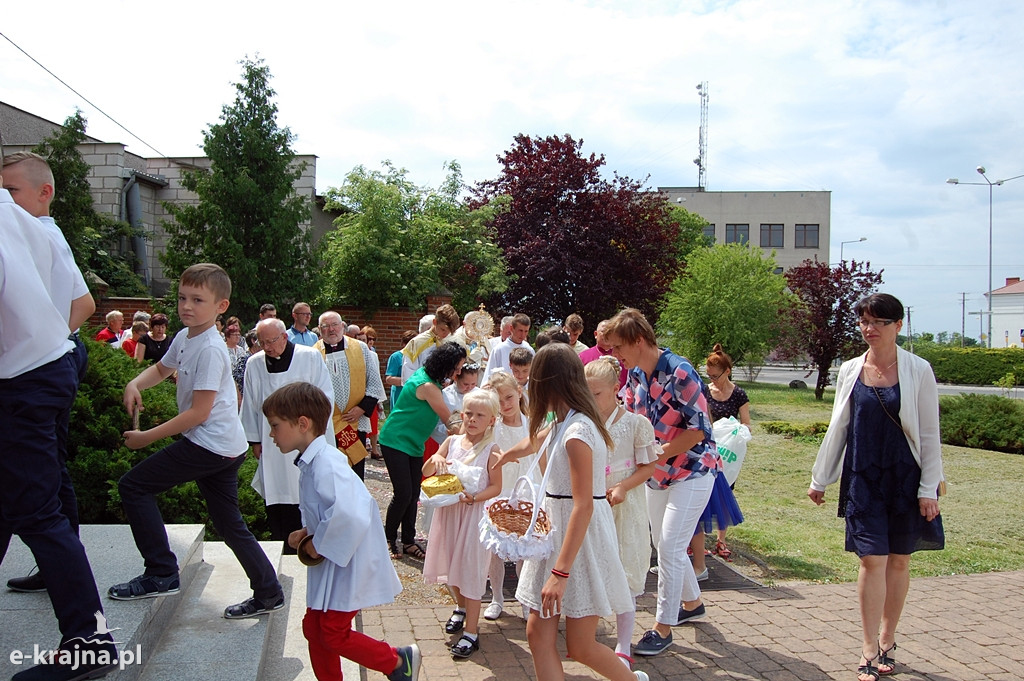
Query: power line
x: 84, y: 98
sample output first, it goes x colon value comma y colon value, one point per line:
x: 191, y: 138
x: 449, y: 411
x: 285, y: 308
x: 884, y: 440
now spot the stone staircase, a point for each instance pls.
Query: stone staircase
x: 180, y: 637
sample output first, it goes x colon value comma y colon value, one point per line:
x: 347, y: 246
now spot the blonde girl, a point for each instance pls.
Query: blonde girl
x: 455, y: 555
x: 631, y: 461
x: 583, y: 578
x: 512, y: 427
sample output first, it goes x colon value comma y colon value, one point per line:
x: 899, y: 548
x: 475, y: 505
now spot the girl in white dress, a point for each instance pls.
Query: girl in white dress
x: 511, y: 429
x: 631, y: 461
x: 583, y: 577
x: 455, y: 555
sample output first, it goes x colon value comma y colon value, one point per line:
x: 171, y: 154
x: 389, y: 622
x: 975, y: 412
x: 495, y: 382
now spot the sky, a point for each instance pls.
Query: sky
x: 878, y: 102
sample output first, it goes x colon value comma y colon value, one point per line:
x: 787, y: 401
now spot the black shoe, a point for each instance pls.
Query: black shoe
x: 251, y: 608
x: 465, y: 646
x: 29, y: 584
x: 456, y: 622
x: 697, y: 613
x: 145, y: 586
x: 80, y: 665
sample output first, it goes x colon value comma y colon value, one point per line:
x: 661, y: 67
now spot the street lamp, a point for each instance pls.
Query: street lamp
x: 843, y: 243
x: 990, y: 184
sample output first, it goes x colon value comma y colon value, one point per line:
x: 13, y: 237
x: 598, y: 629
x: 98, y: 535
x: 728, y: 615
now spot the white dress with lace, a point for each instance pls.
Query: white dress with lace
x: 507, y: 437
x: 597, y: 583
x: 634, y: 445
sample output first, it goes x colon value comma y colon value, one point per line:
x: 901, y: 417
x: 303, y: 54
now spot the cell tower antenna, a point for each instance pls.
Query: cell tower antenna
x: 702, y: 160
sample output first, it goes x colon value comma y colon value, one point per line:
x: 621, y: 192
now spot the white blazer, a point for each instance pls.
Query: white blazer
x: 919, y: 414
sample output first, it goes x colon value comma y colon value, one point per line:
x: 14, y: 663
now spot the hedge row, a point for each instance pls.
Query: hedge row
x: 973, y: 366
x: 983, y: 422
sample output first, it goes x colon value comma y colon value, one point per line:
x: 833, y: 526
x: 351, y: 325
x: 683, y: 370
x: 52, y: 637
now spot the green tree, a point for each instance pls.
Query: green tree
x: 729, y: 294
x: 248, y: 219
x: 92, y: 236
x: 396, y: 242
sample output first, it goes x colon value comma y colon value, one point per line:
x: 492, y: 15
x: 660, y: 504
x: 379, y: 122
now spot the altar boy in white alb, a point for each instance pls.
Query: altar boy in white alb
x: 342, y: 541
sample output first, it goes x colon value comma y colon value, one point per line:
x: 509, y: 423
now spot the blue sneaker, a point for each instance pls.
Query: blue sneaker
x: 697, y: 613
x: 652, y: 644
x: 408, y: 664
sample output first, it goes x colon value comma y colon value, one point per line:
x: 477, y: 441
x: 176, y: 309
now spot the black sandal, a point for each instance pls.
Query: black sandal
x: 455, y: 623
x: 465, y: 647
x: 415, y: 551
x: 884, y: 658
x: 868, y: 669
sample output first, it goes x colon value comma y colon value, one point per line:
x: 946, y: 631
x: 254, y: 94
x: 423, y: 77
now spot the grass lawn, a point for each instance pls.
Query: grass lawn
x: 982, y: 512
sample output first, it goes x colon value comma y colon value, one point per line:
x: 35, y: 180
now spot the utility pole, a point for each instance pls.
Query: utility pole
x: 910, y: 331
x: 702, y: 160
x: 963, y: 316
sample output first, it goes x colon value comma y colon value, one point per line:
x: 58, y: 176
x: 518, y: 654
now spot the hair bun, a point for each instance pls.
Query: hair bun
x: 611, y: 359
x: 718, y: 349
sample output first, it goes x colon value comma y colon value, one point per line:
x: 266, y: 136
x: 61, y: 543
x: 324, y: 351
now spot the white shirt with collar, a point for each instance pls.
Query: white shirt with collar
x: 67, y: 282
x: 33, y: 331
x: 347, y: 531
x: 919, y: 416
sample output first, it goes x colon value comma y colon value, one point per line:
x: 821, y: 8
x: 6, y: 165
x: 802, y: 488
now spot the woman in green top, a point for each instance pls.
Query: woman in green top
x: 403, y: 435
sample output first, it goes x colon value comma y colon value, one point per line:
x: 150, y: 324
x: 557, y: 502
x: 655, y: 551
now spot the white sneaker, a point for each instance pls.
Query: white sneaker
x: 702, y: 576
x: 493, y: 611
x: 641, y: 676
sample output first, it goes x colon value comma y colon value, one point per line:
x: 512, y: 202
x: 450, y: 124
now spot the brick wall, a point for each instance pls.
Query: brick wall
x: 128, y: 306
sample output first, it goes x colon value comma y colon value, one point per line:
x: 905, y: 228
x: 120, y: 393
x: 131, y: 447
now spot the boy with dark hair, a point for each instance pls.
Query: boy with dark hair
x: 210, y: 452
x: 499, y: 356
x: 342, y: 542
x: 519, y: 361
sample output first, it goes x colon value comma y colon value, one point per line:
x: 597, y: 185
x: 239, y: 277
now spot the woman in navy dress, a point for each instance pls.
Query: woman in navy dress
x: 883, y: 445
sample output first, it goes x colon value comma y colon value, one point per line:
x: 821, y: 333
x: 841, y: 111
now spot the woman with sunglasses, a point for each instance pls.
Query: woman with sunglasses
x: 883, y: 446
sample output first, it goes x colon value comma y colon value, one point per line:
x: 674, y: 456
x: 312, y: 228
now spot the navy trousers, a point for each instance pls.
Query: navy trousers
x: 31, y: 405
x: 217, y: 479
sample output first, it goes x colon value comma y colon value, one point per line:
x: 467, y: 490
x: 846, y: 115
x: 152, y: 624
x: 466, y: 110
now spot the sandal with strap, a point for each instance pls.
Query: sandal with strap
x: 885, y: 659
x: 868, y: 669
x: 465, y: 646
x: 722, y: 550
x: 456, y: 622
x: 415, y: 551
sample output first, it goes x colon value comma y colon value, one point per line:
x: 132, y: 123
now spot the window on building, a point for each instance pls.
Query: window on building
x: 806, y: 236
x: 771, y: 236
x: 778, y: 270
x: 709, y: 232
x: 737, y: 234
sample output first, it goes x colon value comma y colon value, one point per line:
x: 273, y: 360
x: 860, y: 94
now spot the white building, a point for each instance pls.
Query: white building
x: 796, y: 225
x: 1008, y: 314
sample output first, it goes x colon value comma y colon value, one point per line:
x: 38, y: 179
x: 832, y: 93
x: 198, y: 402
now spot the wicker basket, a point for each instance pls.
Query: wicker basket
x: 516, y: 520
x: 441, y: 484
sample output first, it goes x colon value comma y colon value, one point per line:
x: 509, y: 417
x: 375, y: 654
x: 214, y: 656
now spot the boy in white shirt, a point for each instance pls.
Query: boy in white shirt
x: 342, y: 542
x: 210, y: 452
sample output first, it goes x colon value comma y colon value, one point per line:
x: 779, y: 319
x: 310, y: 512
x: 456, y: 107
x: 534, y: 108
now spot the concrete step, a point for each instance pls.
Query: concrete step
x: 286, y: 657
x: 198, y: 643
x: 28, y: 618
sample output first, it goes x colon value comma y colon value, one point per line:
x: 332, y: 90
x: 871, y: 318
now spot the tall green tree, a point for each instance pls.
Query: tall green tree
x: 396, y: 242
x: 93, y: 237
x: 248, y: 219
x: 575, y: 241
x: 731, y: 295
x: 823, y: 325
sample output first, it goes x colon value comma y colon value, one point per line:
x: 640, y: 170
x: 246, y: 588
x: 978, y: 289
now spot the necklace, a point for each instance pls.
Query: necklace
x: 878, y: 374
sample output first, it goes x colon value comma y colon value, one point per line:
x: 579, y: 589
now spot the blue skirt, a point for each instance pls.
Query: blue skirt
x: 722, y: 510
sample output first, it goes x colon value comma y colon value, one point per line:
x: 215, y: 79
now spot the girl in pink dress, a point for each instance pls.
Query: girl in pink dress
x: 455, y: 555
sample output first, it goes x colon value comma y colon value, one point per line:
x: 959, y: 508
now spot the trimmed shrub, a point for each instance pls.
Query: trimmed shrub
x: 973, y: 366
x: 97, y: 457
x: 793, y: 429
x: 983, y: 422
